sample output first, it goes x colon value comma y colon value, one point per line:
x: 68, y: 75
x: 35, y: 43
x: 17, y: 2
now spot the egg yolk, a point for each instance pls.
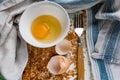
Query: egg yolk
x: 41, y: 31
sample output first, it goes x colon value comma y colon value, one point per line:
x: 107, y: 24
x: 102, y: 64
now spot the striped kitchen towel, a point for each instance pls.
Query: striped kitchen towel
x: 108, y: 41
x: 75, y: 5
x: 107, y: 46
x: 101, y: 69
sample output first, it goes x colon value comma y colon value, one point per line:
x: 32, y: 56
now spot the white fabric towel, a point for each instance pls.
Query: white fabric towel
x: 13, y: 50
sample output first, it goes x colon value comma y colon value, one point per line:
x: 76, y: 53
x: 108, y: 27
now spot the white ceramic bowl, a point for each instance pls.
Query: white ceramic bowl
x: 43, y: 8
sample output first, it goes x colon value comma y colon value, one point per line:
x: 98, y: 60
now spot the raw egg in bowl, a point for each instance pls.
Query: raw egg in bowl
x: 44, y: 24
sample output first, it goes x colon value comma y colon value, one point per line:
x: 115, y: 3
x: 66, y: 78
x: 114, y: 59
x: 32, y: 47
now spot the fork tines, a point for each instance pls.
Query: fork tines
x: 78, y: 21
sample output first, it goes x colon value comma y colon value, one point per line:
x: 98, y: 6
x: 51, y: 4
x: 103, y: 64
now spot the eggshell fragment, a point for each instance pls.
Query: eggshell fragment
x: 58, y: 65
x: 64, y: 47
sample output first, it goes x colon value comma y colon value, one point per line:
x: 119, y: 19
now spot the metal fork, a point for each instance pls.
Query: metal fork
x: 78, y: 25
x: 78, y: 28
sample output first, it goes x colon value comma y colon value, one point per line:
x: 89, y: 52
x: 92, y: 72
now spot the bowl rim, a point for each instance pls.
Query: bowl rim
x: 46, y: 45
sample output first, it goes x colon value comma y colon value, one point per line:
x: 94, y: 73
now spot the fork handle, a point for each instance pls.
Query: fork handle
x: 80, y: 64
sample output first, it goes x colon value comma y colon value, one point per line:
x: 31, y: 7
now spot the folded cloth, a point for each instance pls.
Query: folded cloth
x: 75, y: 5
x: 13, y: 49
x: 108, y: 41
x: 101, y: 70
x: 109, y: 10
x: 8, y: 3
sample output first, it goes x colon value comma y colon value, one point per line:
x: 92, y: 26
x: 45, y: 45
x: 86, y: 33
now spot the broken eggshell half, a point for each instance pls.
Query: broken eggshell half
x: 64, y: 47
x: 58, y: 65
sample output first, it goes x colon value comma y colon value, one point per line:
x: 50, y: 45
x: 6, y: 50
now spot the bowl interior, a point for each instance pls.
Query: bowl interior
x: 43, y: 8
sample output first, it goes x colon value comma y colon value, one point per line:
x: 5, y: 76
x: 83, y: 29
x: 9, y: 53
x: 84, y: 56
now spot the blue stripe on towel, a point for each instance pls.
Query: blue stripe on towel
x: 95, y: 31
x: 112, y: 41
x: 102, y: 68
x: 74, y: 2
x: 81, y: 4
x: 1, y: 1
x: 109, y: 8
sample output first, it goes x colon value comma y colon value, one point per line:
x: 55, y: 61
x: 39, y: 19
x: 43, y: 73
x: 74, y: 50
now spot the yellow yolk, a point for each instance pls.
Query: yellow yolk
x: 40, y: 31
x: 45, y: 28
